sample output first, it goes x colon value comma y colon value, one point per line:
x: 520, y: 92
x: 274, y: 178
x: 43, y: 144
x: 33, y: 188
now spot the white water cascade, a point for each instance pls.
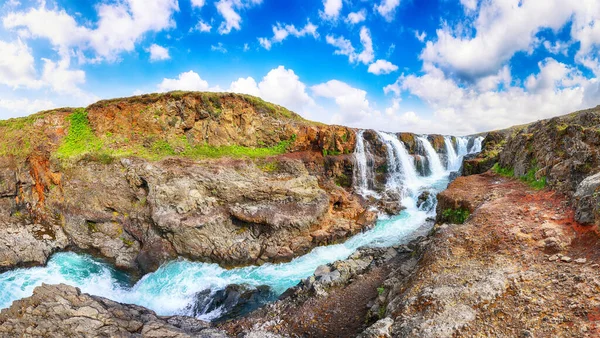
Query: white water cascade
x: 363, y: 172
x: 437, y: 169
x: 402, y: 173
x: 454, y: 161
x: 477, y: 144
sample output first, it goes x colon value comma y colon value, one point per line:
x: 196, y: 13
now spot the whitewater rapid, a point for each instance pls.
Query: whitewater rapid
x: 172, y: 289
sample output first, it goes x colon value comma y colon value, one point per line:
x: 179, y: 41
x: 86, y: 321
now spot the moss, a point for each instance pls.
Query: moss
x: 381, y: 312
x: 380, y: 290
x: 343, y: 180
x: 80, y: 139
x: 269, y: 167
x: 456, y: 216
x: 127, y: 242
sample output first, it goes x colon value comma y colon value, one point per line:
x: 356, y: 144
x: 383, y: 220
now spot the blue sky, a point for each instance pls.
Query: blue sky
x: 447, y: 66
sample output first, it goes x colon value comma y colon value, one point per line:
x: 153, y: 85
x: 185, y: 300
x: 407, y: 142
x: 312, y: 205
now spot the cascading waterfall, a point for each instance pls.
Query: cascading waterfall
x: 363, y: 172
x: 173, y: 289
x: 437, y: 169
x: 454, y: 161
x: 477, y: 144
x: 402, y: 174
x: 461, y: 147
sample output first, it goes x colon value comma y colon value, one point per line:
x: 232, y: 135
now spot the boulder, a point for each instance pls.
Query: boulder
x: 231, y: 302
x: 586, y: 200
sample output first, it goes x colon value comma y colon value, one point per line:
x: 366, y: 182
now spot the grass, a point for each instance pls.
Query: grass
x: 80, y: 139
x: 456, y: 216
x: 529, y: 177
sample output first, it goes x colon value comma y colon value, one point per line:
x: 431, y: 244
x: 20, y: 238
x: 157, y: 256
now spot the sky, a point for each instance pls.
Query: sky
x: 426, y: 66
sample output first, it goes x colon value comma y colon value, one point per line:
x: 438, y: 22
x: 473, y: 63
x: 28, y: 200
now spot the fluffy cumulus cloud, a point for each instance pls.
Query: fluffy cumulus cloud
x: 387, y: 8
x: 331, y: 9
x: 344, y: 47
x: 356, y: 17
x: 119, y: 27
x: 281, y: 86
x: 229, y: 11
x: 555, y: 89
x: 15, y: 107
x: 380, y: 67
x: 158, y: 53
x: 282, y: 32
x: 185, y: 81
x: 352, y: 102
x: 17, y: 65
x: 505, y: 27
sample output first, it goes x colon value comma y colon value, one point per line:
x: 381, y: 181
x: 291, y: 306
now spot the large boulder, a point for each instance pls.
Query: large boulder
x: 587, y: 199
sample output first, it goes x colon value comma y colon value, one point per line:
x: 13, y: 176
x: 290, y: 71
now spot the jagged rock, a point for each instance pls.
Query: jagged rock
x: 586, y: 199
x: 232, y: 302
x: 381, y: 329
x: 63, y: 311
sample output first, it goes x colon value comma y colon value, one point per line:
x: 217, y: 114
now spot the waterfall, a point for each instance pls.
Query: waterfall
x: 402, y: 172
x: 461, y: 146
x: 437, y: 169
x: 454, y: 161
x: 477, y: 144
x: 363, y: 170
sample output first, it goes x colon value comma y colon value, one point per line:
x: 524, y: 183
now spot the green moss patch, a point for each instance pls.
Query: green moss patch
x: 456, y: 216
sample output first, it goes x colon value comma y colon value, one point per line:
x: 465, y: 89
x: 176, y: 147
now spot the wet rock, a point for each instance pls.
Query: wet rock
x: 232, y: 302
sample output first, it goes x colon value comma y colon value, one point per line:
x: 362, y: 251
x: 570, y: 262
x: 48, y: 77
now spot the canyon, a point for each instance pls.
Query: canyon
x: 223, y: 215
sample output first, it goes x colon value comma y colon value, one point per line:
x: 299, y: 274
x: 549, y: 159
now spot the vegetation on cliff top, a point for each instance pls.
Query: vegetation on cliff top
x: 82, y: 142
x: 68, y: 134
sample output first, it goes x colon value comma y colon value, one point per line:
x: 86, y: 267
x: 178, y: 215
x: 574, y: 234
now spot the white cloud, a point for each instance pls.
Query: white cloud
x: 352, y: 102
x: 158, y: 53
x: 420, y: 36
x: 218, y: 48
x: 185, y: 81
x: 281, y: 32
x: 119, y: 27
x: 557, y: 89
x: 557, y: 47
x: 387, y: 8
x: 62, y: 79
x: 23, y: 106
x: 500, y: 29
x: 356, y: 17
x: 246, y: 47
x: 203, y: 27
x: 245, y: 86
x: 331, y: 9
x: 17, y: 65
x: 344, y: 47
x: 228, y: 9
x: 469, y: 5
x: 380, y: 67
x: 197, y: 3
x: 266, y: 43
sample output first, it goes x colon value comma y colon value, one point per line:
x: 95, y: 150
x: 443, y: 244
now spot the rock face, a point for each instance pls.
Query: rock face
x: 63, y: 311
x: 587, y: 200
x: 509, y: 271
x: 160, y: 199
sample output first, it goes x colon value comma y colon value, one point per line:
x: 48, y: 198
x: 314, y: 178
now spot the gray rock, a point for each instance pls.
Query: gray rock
x: 586, y: 199
x: 63, y: 311
x: 381, y: 329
